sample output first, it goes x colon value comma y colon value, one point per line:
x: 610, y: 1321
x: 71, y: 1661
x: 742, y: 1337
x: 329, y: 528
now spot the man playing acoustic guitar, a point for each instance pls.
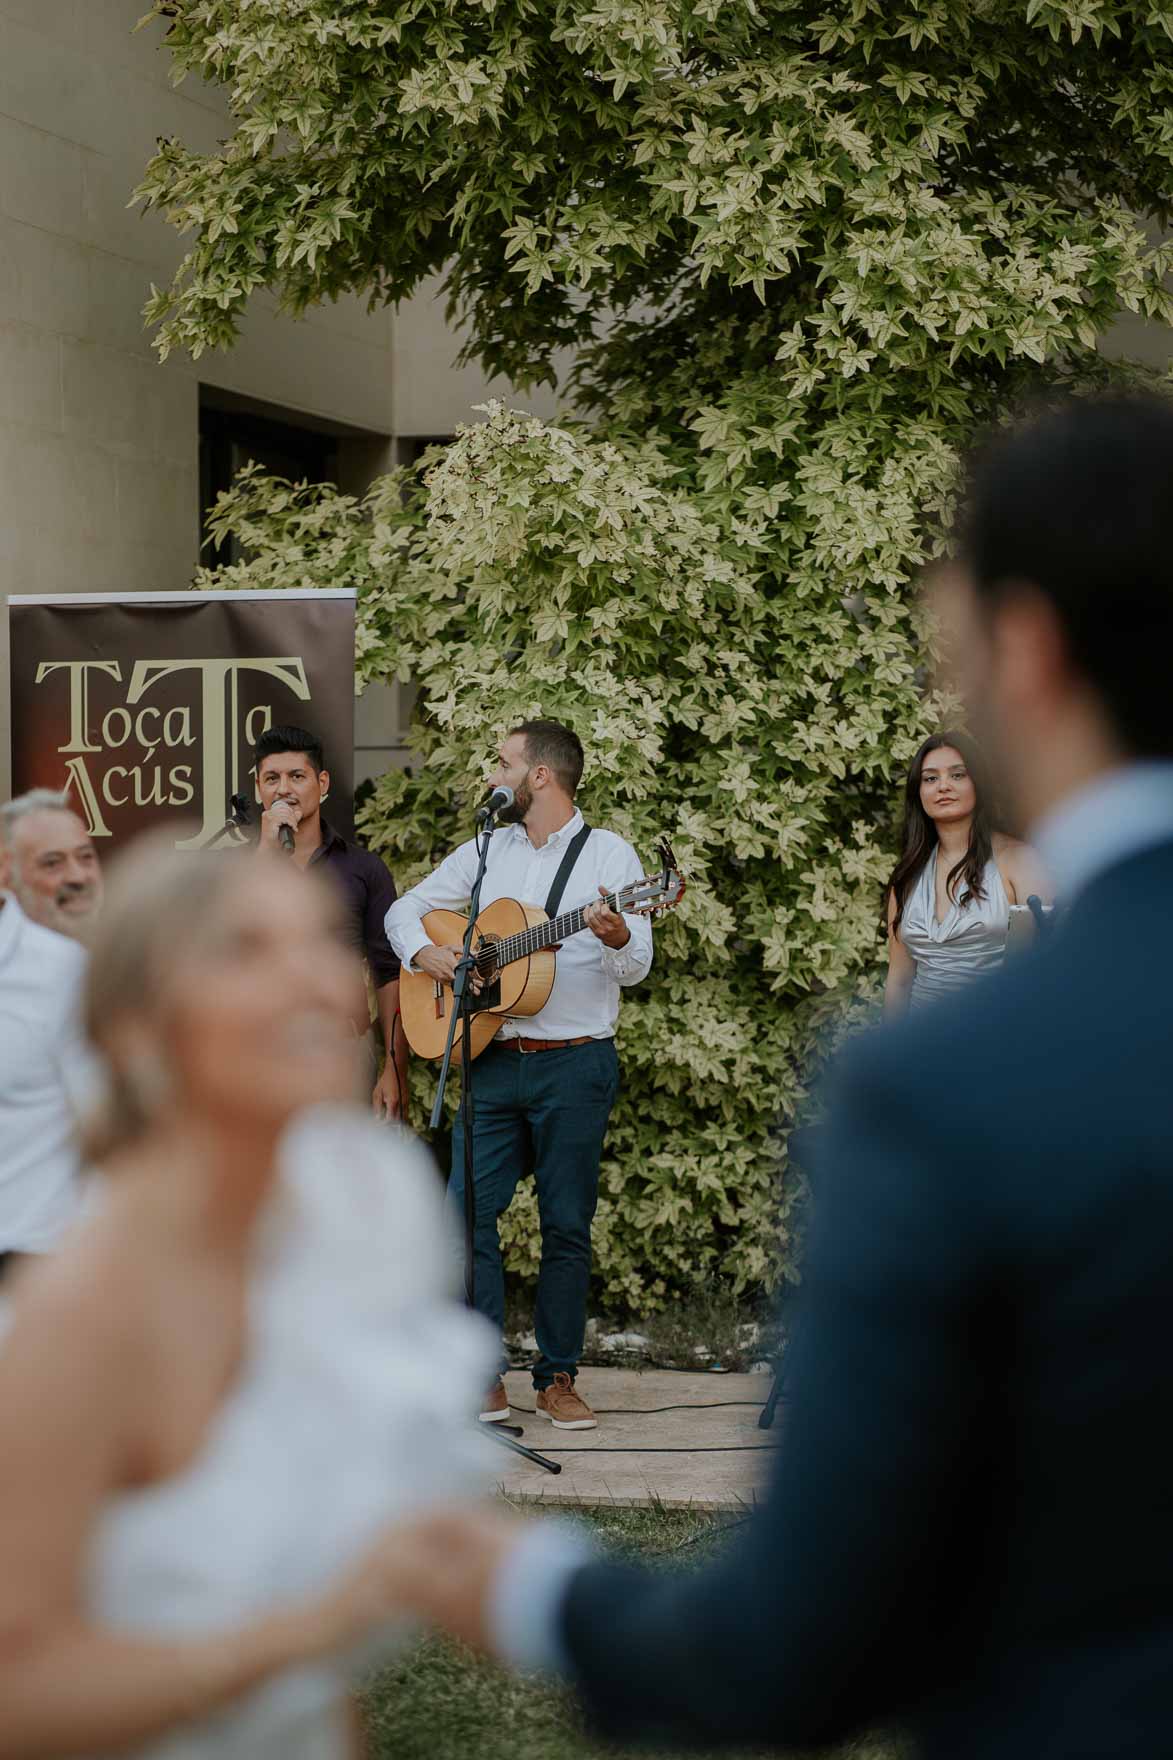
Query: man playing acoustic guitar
x: 544, y: 1088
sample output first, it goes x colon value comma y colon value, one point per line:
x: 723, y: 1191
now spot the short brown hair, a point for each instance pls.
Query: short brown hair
x: 558, y: 747
x: 1076, y: 502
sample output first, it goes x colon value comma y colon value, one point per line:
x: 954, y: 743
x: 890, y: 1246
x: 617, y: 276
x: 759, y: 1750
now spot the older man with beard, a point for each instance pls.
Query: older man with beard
x: 53, y: 868
x: 50, y: 888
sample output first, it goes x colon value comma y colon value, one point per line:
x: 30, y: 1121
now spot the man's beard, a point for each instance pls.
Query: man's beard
x: 1006, y: 807
x: 523, y: 800
x: 55, y: 913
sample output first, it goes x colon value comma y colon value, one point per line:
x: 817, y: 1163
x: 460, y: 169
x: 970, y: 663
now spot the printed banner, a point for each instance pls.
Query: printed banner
x: 146, y: 707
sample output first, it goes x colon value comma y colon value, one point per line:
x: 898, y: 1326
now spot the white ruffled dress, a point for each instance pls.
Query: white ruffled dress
x: 354, y: 1405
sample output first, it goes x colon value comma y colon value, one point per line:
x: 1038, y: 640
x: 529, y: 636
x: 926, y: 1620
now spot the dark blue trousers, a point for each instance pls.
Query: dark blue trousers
x: 547, y: 1110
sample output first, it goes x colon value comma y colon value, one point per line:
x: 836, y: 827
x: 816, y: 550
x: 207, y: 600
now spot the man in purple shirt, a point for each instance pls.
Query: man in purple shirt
x: 293, y: 784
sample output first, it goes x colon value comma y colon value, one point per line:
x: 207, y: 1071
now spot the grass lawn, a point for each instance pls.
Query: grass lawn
x: 441, y: 1703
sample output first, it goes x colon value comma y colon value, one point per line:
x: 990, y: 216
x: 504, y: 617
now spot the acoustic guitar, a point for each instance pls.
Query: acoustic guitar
x: 514, y: 946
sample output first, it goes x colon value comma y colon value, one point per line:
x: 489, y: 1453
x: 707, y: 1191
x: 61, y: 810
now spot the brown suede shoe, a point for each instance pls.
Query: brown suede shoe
x: 565, y: 1409
x: 495, y: 1404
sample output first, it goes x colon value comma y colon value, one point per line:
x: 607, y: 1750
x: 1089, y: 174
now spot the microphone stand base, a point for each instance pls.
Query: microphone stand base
x: 499, y: 1434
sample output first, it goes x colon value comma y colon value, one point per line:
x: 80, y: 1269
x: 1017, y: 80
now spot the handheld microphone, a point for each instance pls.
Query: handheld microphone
x: 285, y: 838
x: 496, y: 803
x: 1040, y: 913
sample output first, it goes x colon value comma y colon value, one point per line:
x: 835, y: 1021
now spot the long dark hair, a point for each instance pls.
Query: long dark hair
x: 918, y: 842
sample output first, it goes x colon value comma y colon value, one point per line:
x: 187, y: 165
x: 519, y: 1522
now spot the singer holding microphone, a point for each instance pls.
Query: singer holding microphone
x: 293, y: 784
x: 543, y: 1090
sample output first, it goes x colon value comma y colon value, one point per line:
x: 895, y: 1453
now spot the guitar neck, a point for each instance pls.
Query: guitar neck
x: 548, y: 934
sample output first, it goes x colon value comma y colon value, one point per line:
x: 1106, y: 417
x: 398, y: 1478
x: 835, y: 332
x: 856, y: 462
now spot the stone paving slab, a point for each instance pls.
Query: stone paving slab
x: 685, y: 1476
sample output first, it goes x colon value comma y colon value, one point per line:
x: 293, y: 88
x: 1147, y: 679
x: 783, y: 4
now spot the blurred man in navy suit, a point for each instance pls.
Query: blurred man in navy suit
x: 970, y: 1528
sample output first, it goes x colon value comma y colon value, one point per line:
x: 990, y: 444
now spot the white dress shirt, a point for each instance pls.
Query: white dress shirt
x: 585, y: 998
x: 524, y: 1614
x: 1119, y: 815
x: 42, y: 1068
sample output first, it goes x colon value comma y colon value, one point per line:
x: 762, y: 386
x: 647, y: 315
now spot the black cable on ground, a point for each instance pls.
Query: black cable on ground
x: 708, y: 1405
x: 648, y: 1364
x: 722, y: 1448
x: 705, y: 1534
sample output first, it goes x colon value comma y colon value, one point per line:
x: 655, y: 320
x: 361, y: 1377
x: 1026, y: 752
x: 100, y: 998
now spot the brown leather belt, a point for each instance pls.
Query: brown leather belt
x: 543, y: 1044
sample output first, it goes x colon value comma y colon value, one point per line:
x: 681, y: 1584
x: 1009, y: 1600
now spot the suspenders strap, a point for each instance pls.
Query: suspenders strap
x: 573, y: 850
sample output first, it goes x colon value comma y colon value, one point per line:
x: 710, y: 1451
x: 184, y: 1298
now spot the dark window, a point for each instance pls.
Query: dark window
x: 411, y: 447
x: 230, y: 439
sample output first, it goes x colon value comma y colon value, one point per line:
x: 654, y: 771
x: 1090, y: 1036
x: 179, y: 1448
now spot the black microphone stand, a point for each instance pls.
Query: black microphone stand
x: 463, y: 1009
x: 239, y: 820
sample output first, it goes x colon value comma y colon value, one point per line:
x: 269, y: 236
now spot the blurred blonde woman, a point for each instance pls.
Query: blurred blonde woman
x: 240, y: 1368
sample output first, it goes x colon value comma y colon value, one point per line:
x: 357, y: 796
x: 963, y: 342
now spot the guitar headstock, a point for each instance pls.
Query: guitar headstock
x: 659, y: 892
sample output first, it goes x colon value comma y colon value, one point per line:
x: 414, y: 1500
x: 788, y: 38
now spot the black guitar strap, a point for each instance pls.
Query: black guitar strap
x: 573, y: 850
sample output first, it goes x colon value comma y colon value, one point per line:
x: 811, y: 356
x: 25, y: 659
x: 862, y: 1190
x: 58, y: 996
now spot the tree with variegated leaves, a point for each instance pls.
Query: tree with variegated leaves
x: 797, y: 253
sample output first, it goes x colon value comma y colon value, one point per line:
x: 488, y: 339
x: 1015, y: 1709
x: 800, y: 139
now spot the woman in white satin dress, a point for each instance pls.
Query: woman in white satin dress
x: 245, y: 1363
x: 949, y: 898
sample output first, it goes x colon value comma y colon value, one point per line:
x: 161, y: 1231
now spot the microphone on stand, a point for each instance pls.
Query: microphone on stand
x: 236, y: 824
x: 1043, y: 914
x: 496, y: 803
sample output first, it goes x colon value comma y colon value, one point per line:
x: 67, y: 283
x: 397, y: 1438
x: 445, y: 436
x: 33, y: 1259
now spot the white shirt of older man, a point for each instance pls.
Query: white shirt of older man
x: 41, y: 1068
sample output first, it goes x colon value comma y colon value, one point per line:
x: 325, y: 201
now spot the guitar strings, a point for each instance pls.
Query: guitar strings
x: 512, y: 947
x: 537, y: 935
x: 531, y: 939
